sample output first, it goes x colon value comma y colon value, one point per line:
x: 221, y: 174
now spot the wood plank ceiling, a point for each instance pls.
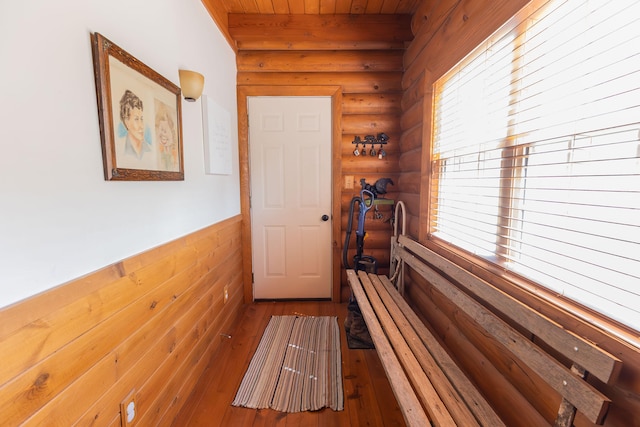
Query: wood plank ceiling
x: 316, y: 7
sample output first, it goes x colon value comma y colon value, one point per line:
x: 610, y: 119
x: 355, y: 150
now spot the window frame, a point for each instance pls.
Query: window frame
x: 493, y: 271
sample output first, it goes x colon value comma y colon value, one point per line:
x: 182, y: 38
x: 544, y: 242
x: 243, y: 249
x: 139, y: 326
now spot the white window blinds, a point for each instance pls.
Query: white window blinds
x: 536, y: 152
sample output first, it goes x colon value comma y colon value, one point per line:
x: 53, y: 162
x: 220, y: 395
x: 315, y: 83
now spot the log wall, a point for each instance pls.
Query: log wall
x: 362, y: 55
x: 144, y: 327
x: 445, y: 31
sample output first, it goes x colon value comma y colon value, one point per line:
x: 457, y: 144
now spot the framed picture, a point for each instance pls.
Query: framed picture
x: 140, y: 117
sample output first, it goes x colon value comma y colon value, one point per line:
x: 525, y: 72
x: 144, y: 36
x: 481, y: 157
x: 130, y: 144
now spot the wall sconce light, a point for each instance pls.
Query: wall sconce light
x: 191, y: 84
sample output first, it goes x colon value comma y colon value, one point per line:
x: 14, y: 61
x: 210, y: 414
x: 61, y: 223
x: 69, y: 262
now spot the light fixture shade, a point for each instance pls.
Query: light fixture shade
x: 191, y: 84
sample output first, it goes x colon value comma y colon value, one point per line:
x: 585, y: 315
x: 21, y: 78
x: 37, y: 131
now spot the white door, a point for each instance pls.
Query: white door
x: 290, y: 169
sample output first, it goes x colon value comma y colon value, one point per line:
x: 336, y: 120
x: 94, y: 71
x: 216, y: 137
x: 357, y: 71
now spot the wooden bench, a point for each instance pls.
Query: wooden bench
x: 427, y: 382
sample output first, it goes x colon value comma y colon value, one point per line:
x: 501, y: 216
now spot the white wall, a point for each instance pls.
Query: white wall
x: 59, y: 218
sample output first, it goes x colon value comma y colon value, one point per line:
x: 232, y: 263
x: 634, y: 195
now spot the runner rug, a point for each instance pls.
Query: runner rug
x: 296, y: 367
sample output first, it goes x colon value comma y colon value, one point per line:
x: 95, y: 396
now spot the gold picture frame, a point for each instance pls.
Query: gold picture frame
x: 140, y: 117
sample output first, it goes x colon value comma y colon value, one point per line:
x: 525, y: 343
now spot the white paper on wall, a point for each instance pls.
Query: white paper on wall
x: 217, y: 138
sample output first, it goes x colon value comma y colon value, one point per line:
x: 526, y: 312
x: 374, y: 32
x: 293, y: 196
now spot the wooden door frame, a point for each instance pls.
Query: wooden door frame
x: 335, y: 92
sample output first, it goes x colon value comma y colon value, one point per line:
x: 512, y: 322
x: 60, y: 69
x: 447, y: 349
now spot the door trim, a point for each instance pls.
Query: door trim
x: 335, y: 92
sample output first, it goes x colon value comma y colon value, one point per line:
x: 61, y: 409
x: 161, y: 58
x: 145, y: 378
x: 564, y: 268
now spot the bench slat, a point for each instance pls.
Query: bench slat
x: 423, y: 385
x: 589, y: 401
x: 436, y: 354
x: 595, y: 360
x: 411, y: 409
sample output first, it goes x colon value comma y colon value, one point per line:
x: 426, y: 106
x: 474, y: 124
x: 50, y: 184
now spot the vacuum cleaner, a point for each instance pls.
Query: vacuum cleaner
x: 366, y: 201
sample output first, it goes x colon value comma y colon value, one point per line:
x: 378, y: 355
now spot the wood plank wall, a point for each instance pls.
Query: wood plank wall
x: 361, y: 54
x: 145, y: 326
x: 445, y: 31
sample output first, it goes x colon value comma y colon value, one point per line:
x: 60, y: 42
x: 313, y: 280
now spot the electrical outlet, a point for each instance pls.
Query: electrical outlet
x: 128, y: 410
x: 226, y: 293
x: 348, y: 182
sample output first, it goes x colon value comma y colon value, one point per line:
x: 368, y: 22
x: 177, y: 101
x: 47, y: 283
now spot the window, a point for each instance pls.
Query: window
x: 536, y: 152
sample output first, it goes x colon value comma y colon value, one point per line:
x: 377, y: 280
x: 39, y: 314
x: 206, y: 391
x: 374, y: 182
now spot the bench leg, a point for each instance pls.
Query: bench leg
x: 567, y: 411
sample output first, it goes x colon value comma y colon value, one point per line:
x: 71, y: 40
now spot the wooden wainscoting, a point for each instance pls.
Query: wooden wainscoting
x: 144, y: 328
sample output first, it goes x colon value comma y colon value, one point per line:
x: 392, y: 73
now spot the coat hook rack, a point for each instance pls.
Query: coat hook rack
x: 381, y: 139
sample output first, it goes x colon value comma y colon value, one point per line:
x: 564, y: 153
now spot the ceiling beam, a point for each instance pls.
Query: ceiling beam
x: 319, y: 32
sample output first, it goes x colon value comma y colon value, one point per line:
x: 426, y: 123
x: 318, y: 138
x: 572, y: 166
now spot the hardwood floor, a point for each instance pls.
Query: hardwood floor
x: 369, y: 400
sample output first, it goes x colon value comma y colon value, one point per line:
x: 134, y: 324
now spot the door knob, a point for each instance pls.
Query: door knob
x: 325, y: 217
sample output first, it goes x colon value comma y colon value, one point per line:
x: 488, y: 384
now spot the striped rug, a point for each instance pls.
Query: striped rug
x: 296, y: 367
